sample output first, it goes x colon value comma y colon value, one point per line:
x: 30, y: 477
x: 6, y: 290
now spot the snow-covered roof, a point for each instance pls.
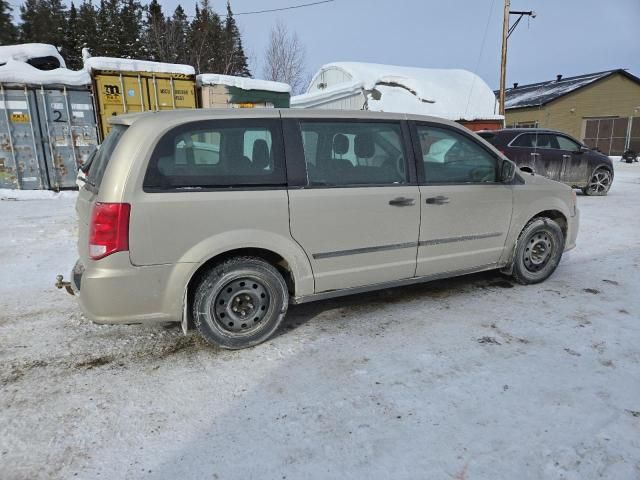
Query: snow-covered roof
x: 27, y: 51
x: 15, y: 72
x: 130, y: 65
x: 450, y: 93
x: 242, y: 83
x: 537, y: 94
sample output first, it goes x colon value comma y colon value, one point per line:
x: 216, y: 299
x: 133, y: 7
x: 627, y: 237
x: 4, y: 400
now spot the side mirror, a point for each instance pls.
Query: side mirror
x: 507, y: 171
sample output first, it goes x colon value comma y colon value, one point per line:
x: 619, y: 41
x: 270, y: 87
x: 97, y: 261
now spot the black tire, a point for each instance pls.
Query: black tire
x: 538, y: 251
x: 599, y: 183
x: 240, y: 303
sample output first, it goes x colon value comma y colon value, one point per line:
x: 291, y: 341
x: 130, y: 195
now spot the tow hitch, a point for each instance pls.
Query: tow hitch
x: 60, y: 283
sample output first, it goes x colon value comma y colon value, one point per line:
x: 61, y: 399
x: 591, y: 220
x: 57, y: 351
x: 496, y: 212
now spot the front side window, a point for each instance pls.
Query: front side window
x: 565, y: 143
x: 450, y: 157
x: 353, y: 153
x: 218, y: 154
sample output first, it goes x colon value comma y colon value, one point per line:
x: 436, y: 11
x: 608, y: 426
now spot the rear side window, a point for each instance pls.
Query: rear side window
x: 218, y: 154
x: 101, y: 157
x: 353, y: 153
x: 536, y: 140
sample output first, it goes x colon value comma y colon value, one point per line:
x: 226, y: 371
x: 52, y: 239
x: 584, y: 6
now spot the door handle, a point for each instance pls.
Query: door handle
x: 402, y: 202
x: 566, y: 157
x: 439, y: 200
x: 534, y: 154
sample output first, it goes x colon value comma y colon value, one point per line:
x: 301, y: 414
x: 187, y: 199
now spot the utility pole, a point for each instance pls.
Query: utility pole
x: 506, y: 33
x: 503, y: 59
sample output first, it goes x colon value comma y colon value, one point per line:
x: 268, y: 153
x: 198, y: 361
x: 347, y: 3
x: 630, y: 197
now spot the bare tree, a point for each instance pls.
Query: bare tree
x: 284, y: 58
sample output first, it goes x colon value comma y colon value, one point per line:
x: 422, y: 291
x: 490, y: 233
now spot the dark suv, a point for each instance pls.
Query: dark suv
x: 554, y: 155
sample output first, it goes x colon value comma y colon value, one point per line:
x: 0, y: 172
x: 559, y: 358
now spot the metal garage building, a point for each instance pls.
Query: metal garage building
x: 602, y: 109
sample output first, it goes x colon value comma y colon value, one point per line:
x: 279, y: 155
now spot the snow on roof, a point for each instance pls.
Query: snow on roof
x: 19, y: 72
x: 537, y: 94
x: 450, y: 93
x: 242, y: 83
x: 130, y: 65
x: 27, y: 51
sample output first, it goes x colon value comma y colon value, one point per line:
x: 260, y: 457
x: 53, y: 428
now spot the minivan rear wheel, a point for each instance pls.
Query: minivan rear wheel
x: 240, y: 302
x: 538, y: 251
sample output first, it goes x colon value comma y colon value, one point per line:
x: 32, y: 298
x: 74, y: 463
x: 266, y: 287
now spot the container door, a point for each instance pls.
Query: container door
x: 21, y: 156
x: 118, y: 94
x: 67, y: 121
x: 171, y: 93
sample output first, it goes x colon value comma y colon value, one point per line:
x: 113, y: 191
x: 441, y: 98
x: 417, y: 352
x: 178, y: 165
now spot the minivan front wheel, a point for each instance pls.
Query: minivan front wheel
x: 538, y: 251
x: 240, y: 302
x: 599, y: 183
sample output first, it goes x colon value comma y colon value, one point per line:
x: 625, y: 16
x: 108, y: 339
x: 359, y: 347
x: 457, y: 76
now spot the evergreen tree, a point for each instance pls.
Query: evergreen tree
x: 204, y: 39
x: 71, y: 45
x: 56, y: 15
x: 131, y: 44
x: 234, y: 61
x: 8, y: 31
x: 109, y: 29
x: 31, y: 25
x: 156, y: 33
x: 87, y: 26
x: 43, y: 21
x: 180, y: 26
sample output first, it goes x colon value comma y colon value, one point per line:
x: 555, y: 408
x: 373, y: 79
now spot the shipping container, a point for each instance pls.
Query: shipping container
x: 225, y: 91
x: 477, y: 125
x: 46, y: 133
x: 22, y: 159
x: 119, y: 92
x: 67, y: 120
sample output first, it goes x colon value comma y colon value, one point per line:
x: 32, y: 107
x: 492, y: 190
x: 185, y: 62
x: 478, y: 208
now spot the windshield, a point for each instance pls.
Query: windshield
x: 102, y: 156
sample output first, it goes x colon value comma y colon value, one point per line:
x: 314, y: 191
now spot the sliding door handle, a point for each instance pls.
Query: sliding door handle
x: 402, y: 202
x: 439, y: 200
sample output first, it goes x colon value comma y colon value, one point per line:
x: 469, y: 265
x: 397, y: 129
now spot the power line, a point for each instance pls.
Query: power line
x: 484, y: 38
x: 283, y: 8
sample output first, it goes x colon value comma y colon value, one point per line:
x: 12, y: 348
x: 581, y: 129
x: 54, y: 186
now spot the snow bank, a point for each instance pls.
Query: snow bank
x: 27, y: 51
x: 7, y: 194
x: 130, y: 65
x: 19, y: 72
x: 242, y: 82
x: 450, y: 93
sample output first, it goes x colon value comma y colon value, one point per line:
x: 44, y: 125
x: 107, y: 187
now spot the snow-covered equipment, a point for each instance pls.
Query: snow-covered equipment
x: 226, y: 91
x: 47, y: 118
x: 124, y: 85
x: 629, y: 156
x: 453, y: 94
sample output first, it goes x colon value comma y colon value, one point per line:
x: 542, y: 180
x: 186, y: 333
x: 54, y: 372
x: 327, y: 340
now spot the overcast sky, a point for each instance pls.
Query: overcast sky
x: 568, y: 37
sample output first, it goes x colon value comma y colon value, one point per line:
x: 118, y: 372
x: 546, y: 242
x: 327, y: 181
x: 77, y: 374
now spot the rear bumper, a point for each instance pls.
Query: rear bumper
x: 573, y: 225
x: 113, y: 291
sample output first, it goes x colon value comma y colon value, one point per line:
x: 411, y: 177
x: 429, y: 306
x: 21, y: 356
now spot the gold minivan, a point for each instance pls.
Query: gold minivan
x: 220, y: 218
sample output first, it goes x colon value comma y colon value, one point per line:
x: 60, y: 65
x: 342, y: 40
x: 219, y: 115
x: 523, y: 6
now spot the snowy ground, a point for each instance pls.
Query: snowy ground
x: 471, y: 378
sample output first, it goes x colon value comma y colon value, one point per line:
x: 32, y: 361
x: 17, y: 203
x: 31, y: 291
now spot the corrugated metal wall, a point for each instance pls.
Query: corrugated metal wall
x: 46, y: 133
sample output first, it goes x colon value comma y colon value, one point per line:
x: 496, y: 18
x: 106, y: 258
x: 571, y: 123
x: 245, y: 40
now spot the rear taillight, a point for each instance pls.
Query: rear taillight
x: 109, y: 229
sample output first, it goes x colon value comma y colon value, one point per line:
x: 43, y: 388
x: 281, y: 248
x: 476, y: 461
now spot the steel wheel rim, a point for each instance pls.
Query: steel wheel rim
x: 241, y: 305
x: 600, y: 182
x: 538, y: 251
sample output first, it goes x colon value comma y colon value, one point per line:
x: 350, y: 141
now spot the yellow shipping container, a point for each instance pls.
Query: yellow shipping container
x: 119, y: 92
